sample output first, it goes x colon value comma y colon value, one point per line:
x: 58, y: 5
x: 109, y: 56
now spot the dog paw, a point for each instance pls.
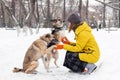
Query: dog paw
x: 35, y: 72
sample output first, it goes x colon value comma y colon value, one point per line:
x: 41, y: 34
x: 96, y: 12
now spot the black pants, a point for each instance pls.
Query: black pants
x: 73, y: 62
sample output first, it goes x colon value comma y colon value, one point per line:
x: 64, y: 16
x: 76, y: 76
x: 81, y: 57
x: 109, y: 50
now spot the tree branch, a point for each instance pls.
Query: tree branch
x: 108, y: 5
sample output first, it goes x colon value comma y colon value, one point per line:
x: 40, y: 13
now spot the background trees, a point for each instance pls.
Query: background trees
x: 37, y: 13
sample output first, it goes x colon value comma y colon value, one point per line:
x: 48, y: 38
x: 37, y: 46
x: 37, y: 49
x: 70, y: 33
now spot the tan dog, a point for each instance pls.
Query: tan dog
x: 38, y: 50
x: 57, y: 32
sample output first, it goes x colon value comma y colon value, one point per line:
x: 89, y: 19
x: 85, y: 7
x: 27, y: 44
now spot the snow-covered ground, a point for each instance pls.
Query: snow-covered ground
x: 13, y: 48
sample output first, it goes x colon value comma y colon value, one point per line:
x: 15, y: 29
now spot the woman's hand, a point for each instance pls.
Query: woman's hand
x: 59, y: 46
x: 65, y: 40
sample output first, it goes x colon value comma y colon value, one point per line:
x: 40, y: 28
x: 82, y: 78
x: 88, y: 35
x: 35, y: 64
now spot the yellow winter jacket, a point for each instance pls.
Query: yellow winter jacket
x: 85, y: 44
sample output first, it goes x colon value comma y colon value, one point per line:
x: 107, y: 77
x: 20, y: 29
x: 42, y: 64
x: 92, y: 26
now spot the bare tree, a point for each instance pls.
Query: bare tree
x: 12, y: 8
x: 31, y: 15
x: 115, y: 5
x: 80, y: 7
x: 11, y: 16
x: 64, y: 10
x: 22, y: 13
x: 115, y: 13
x: 37, y: 14
x: 119, y: 14
x: 2, y: 16
x: 117, y: 8
x: 104, y: 16
x: 48, y: 12
x: 87, y: 6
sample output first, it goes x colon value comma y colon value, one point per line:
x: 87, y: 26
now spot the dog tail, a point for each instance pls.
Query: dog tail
x: 17, y: 70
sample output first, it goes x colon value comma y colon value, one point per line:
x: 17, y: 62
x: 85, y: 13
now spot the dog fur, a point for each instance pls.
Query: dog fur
x: 37, y: 50
x: 57, y: 29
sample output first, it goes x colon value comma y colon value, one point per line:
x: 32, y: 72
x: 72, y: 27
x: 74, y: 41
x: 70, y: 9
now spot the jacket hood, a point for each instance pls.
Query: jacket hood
x: 83, y: 27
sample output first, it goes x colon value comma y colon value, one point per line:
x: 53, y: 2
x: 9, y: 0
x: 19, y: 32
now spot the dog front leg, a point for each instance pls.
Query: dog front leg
x: 55, y: 62
x: 55, y: 56
x: 46, y: 63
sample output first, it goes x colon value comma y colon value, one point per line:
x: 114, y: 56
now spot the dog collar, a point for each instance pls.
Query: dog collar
x: 56, y: 29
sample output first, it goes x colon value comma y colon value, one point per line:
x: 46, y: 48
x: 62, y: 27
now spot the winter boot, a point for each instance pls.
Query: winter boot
x: 89, y: 68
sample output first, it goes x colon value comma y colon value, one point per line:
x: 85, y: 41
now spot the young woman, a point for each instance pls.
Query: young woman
x: 81, y: 55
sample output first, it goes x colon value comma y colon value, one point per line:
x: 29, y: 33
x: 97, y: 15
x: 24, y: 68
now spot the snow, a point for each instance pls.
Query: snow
x: 13, y: 48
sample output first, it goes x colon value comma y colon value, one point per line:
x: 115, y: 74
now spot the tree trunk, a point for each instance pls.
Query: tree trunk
x: 11, y: 24
x: 119, y: 14
x: 28, y: 19
x: 37, y: 13
x: 13, y: 7
x: 80, y: 8
x: 64, y: 13
x: 87, y: 10
x: 64, y: 10
x: 3, y: 16
x: 104, y: 16
x: 48, y: 13
x: 22, y: 13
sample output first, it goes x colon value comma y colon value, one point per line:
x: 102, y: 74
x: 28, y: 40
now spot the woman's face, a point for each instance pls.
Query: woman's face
x: 71, y: 25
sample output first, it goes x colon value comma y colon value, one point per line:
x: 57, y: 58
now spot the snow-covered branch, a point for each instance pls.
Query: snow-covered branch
x: 108, y: 5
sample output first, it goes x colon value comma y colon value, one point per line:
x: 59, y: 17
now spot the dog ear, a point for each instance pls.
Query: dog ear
x: 43, y: 37
x: 47, y: 35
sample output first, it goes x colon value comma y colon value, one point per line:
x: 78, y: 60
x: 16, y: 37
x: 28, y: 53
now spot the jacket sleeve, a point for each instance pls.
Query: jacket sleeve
x: 81, y: 41
x: 72, y: 43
